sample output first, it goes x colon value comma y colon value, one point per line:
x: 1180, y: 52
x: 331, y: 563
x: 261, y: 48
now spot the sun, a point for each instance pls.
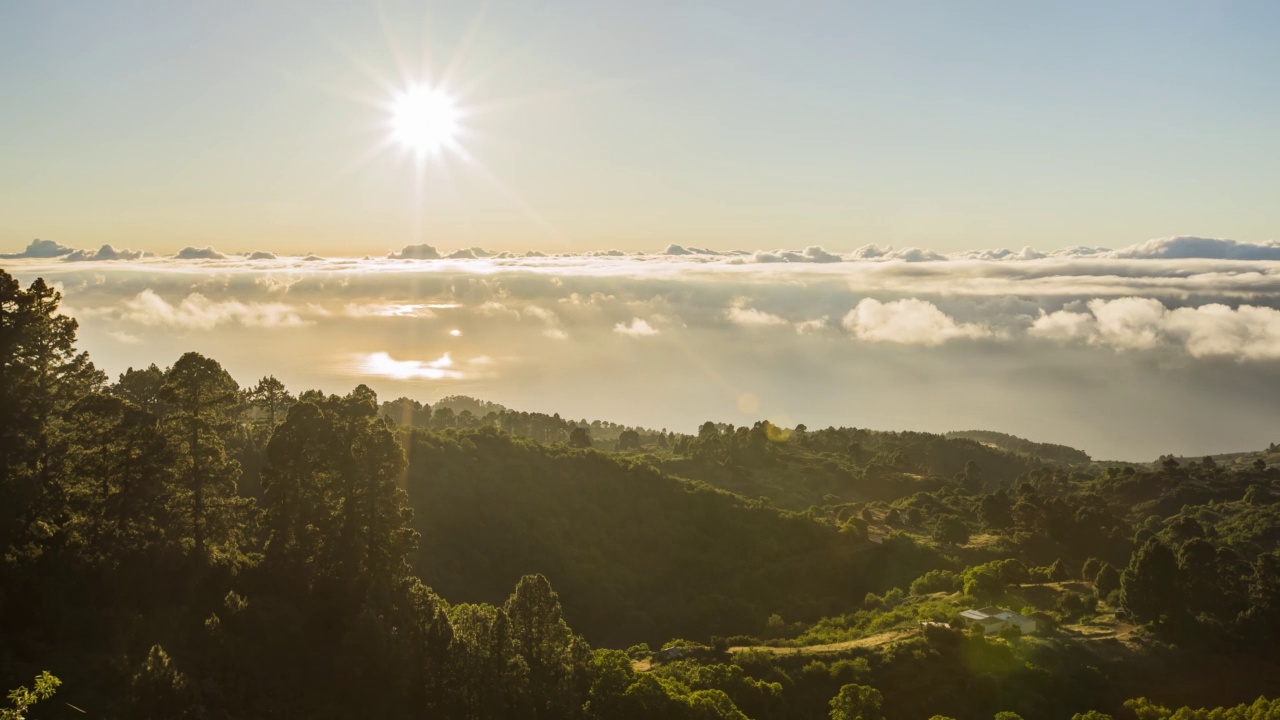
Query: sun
x: 424, y: 119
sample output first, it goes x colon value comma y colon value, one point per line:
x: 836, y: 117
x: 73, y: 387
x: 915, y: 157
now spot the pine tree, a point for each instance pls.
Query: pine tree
x: 1149, y: 587
x: 203, y: 397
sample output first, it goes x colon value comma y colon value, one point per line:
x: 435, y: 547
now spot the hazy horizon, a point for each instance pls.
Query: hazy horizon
x: 1159, y: 347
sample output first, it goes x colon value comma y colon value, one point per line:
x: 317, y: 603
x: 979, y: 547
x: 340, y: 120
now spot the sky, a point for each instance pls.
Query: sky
x: 1056, y: 220
x: 592, y: 125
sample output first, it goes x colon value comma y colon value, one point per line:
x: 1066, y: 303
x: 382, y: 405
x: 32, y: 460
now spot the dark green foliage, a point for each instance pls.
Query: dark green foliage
x: 1090, y: 569
x: 856, y: 702
x: 1107, y: 580
x: 1044, y: 451
x: 950, y: 530
x: 176, y: 547
x: 41, y: 376
x: 580, y: 437
x: 201, y: 398
x: 1149, y: 587
x: 636, y: 554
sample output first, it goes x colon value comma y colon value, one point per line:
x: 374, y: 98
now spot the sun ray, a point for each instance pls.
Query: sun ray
x: 393, y: 46
x: 512, y: 196
x: 468, y: 39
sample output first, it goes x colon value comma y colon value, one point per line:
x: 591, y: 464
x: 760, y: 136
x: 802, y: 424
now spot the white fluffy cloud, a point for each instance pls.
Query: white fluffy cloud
x: 1246, y: 332
x: 739, y: 314
x: 907, y: 322
x: 636, y: 327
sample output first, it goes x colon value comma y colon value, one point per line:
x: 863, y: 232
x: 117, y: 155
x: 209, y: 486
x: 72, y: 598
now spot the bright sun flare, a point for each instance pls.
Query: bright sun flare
x: 424, y: 119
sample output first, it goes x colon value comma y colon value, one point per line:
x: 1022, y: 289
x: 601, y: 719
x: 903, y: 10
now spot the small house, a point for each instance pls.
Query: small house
x: 993, y: 619
x: 671, y: 653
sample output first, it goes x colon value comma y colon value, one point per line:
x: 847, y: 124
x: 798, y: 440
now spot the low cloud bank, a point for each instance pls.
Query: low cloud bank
x: 1169, y: 248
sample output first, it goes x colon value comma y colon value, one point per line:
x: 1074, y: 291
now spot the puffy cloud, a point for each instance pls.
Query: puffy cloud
x: 197, y: 312
x: 739, y: 314
x: 1128, y: 323
x: 1246, y: 332
x: 106, y: 252
x: 917, y: 255
x: 907, y: 322
x: 813, y: 253
x: 204, y: 253
x: 817, y: 254
x: 41, y: 249
x: 636, y: 327
x: 1063, y: 325
x: 416, y: 252
x: 262, y: 255
x: 1026, y: 253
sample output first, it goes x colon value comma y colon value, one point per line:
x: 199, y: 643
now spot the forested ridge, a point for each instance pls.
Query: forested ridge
x: 178, y: 545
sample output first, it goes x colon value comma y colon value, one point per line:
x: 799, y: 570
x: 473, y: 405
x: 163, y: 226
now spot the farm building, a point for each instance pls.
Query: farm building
x: 994, y: 619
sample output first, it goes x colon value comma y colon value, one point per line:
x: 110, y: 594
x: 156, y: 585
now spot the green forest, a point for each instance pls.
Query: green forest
x: 177, y: 544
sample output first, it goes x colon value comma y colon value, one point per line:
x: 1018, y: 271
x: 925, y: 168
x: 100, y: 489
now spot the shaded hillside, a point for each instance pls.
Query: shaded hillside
x: 798, y: 468
x: 459, y: 412
x: 1045, y: 451
x: 636, y: 554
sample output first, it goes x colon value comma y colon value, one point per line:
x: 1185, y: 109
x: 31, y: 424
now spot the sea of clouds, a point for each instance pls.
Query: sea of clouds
x: 1167, y: 345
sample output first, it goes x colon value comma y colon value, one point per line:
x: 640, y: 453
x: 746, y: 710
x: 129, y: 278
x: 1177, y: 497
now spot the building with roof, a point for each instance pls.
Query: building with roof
x: 993, y: 619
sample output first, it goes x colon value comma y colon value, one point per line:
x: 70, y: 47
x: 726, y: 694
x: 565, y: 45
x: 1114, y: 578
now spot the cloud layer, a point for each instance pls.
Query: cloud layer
x: 1169, y: 248
x: 1082, y: 346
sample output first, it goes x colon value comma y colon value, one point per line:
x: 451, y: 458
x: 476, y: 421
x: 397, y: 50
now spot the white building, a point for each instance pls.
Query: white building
x: 993, y: 619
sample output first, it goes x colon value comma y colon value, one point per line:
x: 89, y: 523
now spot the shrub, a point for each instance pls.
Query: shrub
x: 936, y: 581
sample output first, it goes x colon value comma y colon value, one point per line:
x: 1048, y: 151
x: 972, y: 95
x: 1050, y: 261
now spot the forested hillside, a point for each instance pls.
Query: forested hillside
x: 638, y: 555
x: 176, y: 545
x: 1044, y: 451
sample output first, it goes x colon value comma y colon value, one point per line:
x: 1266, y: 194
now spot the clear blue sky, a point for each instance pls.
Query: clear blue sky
x: 633, y: 125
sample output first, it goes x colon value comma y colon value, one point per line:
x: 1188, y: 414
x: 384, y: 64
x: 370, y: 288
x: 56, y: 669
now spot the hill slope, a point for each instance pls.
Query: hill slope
x: 635, y: 554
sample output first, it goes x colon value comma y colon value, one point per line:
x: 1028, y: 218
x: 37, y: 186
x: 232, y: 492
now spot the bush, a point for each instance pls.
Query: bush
x: 936, y: 581
x: 941, y: 636
x: 1107, y: 581
x: 639, y: 652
